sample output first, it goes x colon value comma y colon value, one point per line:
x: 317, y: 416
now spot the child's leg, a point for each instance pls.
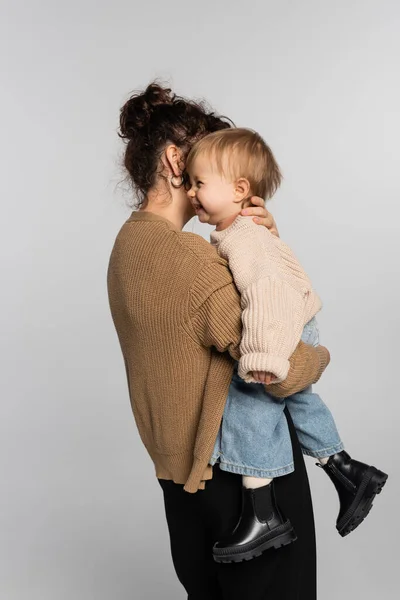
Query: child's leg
x: 255, y: 443
x: 315, y: 425
x: 357, y: 483
x: 261, y: 526
x: 312, y: 419
x: 254, y: 440
x: 252, y: 483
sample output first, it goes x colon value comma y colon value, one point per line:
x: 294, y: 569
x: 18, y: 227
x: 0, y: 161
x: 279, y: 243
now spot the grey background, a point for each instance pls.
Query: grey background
x: 81, y: 514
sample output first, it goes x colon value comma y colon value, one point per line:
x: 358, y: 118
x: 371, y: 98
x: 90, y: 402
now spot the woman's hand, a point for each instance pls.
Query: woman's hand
x: 260, y: 215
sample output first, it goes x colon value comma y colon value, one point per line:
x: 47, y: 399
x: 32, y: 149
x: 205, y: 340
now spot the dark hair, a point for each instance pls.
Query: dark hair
x: 153, y: 118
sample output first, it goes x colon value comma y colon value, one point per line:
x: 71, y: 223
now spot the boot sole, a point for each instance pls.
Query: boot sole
x: 372, y: 484
x: 256, y: 548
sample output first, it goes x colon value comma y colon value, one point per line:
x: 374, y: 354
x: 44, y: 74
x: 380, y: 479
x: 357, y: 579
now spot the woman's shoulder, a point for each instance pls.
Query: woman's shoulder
x: 197, y: 245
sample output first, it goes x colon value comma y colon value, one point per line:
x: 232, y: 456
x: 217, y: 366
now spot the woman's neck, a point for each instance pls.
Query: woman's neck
x: 178, y: 210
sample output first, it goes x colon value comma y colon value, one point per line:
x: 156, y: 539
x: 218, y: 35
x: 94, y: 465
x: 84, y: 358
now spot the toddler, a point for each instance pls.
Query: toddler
x: 279, y: 306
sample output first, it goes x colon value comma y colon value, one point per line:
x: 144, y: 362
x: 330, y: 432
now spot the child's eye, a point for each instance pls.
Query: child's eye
x: 198, y: 183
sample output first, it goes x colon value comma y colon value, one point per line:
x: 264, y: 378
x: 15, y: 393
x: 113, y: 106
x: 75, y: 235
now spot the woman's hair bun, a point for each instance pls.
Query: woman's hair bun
x: 138, y: 110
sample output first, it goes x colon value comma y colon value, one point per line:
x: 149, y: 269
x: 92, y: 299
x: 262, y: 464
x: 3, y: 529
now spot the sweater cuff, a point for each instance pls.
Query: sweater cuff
x: 324, y: 360
x: 200, y: 473
x: 262, y: 361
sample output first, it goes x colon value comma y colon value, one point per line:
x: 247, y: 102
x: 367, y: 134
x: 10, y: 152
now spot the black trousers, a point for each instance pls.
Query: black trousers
x: 196, y: 521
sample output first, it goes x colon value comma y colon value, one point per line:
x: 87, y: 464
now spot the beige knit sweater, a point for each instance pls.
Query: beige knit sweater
x: 177, y: 313
x: 277, y: 297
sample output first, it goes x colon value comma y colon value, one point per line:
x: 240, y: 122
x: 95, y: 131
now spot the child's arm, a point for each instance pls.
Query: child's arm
x: 272, y: 308
x: 272, y: 316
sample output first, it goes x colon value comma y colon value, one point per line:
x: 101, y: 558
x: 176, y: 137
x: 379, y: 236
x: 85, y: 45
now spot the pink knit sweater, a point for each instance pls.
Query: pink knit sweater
x: 277, y: 297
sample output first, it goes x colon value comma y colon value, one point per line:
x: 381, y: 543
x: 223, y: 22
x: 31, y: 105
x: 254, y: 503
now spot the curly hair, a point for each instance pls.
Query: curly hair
x: 154, y: 118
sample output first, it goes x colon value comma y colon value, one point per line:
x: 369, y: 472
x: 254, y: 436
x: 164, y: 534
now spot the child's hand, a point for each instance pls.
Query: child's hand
x: 261, y: 215
x: 263, y: 377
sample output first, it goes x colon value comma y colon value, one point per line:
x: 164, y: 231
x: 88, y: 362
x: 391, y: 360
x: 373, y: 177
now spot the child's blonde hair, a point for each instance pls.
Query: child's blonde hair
x: 240, y: 152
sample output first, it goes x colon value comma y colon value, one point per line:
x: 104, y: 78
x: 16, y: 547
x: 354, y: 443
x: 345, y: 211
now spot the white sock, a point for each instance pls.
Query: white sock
x: 254, y: 482
x: 324, y: 460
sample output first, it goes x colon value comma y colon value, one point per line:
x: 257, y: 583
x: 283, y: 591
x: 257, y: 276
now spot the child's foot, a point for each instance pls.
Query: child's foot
x: 357, y: 485
x: 261, y: 526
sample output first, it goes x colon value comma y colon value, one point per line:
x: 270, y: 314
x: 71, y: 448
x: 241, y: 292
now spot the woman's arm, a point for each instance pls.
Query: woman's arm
x: 216, y: 321
x: 306, y: 363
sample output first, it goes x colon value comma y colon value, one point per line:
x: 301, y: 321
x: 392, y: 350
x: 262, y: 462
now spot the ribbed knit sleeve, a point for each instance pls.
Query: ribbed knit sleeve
x: 273, y: 321
x: 215, y: 309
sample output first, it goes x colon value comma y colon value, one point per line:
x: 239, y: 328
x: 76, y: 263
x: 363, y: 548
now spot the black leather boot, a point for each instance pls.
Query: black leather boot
x: 357, y: 485
x: 261, y: 526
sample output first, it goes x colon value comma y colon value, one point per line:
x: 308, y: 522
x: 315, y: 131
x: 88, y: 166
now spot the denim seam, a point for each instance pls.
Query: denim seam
x: 324, y: 452
x: 254, y: 472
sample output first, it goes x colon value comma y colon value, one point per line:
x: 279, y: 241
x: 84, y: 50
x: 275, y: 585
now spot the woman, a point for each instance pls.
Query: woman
x: 177, y: 314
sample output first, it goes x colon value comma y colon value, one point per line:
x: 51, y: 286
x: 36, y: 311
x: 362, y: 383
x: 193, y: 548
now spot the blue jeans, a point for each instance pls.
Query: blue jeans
x: 254, y: 437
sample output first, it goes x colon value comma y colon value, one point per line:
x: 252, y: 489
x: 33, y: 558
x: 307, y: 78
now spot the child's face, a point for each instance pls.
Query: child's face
x: 212, y: 195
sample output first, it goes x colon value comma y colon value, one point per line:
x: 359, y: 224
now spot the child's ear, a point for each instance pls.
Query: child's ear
x: 242, y: 188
